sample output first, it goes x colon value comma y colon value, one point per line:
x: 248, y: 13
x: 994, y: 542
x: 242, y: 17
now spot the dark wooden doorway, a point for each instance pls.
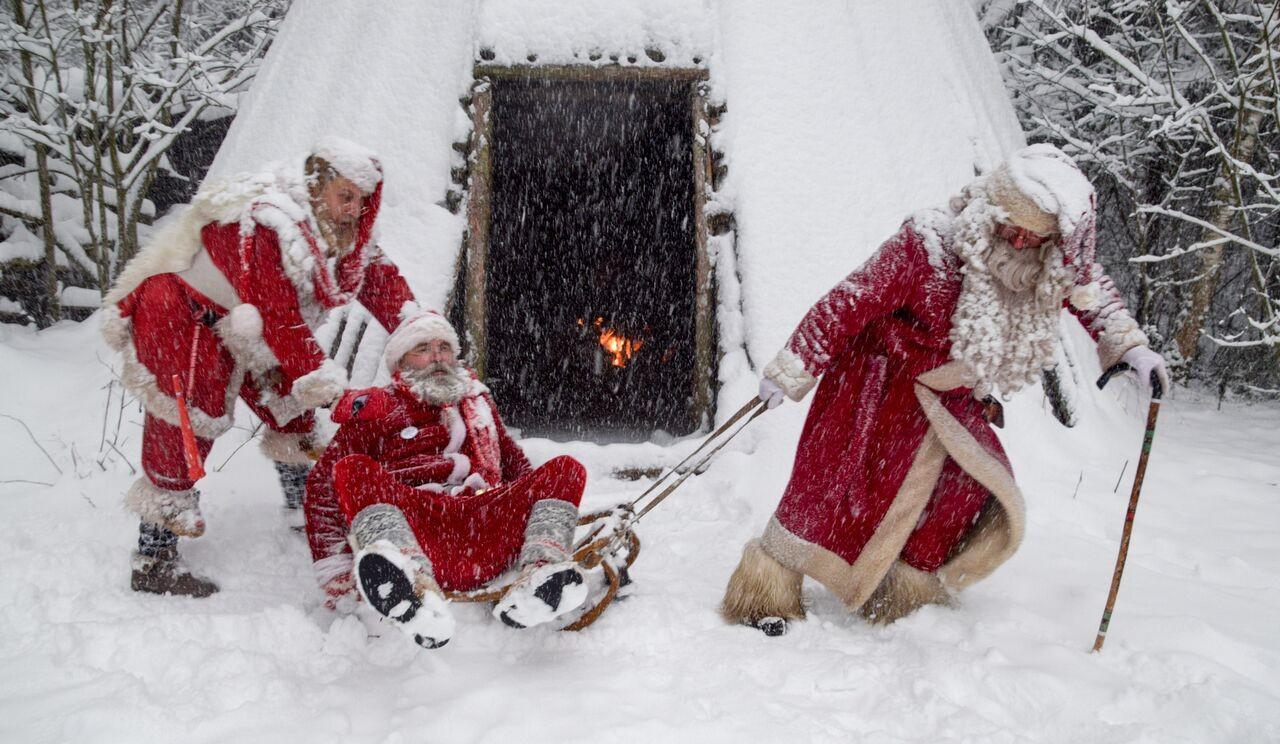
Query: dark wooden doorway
x: 593, y: 317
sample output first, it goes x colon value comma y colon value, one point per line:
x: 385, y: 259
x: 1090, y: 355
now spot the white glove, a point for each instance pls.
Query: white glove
x: 770, y: 393
x: 321, y: 386
x: 475, y: 481
x: 1144, y: 361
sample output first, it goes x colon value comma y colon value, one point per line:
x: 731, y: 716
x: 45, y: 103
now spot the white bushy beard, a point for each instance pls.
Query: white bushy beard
x: 438, y: 390
x: 1005, y: 326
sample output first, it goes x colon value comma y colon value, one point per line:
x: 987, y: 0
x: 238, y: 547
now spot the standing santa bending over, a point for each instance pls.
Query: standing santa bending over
x: 901, y: 492
x: 226, y: 300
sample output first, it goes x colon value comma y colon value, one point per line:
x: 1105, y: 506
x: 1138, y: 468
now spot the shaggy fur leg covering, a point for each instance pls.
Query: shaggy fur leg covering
x: 761, y: 587
x: 903, y: 591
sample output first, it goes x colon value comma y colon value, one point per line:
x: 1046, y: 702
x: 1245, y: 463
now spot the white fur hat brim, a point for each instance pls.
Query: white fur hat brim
x: 429, y: 326
x: 356, y: 163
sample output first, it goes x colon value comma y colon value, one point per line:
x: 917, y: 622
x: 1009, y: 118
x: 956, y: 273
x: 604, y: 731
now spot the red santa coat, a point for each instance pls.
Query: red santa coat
x: 228, y: 300
x: 896, y: 460
x: 395, y: 448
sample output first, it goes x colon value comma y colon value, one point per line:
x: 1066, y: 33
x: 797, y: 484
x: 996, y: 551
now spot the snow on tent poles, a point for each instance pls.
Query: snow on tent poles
x: 1153, y: 410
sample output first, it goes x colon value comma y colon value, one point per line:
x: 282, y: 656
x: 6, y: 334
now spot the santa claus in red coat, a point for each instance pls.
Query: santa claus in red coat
x: 424, y: 482
x: 225, y: 300
x: 900, y: 492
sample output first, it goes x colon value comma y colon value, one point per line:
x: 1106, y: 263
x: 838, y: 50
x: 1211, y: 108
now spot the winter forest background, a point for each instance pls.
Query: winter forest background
x: 112, y: 110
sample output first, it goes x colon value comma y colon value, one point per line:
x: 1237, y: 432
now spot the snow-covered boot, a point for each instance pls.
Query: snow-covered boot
x: 762, y: 593
x: 395, y: 577
x: 293, y: 482
x: 550, y: 584
x: 158, y: 569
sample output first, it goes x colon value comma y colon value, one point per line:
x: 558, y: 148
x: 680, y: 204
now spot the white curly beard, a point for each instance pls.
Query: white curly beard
x: 438, y: 390
x: 1005, y: 326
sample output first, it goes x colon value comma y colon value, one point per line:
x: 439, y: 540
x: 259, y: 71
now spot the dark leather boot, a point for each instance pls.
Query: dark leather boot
x: 164, y: 573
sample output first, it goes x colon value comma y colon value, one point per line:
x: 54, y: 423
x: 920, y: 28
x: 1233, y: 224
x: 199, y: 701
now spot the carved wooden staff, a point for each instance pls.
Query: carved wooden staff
x: 1153, y: 411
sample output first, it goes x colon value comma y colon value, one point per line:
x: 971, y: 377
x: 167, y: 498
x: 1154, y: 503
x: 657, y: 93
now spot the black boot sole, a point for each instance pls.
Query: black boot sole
x: 770, y: 626
x: 375, y: 573
x: 548, y: 592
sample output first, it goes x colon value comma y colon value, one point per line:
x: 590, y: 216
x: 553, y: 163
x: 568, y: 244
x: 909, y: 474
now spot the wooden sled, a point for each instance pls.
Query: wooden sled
x: 609, y: 543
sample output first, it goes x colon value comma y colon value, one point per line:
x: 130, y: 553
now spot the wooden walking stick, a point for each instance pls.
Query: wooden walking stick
x: 1153, y: 411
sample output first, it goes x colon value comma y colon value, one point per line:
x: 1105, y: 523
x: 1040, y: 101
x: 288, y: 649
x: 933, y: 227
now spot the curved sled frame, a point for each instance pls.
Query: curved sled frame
x: 601, y: 542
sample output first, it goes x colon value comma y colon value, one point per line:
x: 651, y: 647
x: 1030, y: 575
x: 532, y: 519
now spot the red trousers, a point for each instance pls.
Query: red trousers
x: 471, y: 537
x: 173, y: 335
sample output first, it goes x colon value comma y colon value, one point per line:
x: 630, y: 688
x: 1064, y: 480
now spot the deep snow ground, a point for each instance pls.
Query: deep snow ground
x: 1193, y: 654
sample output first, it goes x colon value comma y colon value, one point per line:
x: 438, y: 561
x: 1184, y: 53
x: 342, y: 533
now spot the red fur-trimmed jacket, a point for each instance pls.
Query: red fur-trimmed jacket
x: 423, y: 445
x: 869, y: 339
x: 238, y: 285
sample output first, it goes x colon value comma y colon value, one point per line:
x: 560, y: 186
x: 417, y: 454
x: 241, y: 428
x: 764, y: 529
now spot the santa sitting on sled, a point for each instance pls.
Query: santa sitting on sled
x: 422, y: 490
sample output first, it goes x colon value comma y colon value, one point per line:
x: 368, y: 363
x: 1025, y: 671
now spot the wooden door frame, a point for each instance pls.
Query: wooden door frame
x: 480, y: 208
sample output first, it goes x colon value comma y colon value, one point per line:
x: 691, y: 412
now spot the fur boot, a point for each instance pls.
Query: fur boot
x: 550, y: 584
x: 396, y: 578
x: 176, y: 511
x: 903, y: 591
x: 762, y: 588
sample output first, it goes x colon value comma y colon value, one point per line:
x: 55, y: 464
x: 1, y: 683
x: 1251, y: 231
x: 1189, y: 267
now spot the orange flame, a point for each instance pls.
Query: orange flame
x: 619, y: 346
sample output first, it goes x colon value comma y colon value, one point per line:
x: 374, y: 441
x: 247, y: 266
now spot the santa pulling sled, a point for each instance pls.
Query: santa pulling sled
x: 901, y: 493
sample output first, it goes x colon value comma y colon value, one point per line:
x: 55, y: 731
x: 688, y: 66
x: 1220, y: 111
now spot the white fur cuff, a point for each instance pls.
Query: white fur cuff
x: 787, y: 371
x: 461, y: 467
x: 241, y: 332
x: 1085, y: 296
x: 331, y: 567
x: 115, y: 330
x: 1119, y: 333
x: 320, y: 386
x: 290, y: 449
x: 178, y: 511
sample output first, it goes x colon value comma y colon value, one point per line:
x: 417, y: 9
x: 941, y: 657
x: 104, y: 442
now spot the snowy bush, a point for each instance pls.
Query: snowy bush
x: 1172, y: 110
x: 95, y: 93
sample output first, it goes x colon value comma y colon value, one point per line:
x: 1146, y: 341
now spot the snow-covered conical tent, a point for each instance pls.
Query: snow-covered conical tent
x: 817, y: 128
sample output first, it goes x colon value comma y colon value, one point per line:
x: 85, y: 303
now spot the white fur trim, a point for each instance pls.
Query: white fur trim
x: 410, y: 309
x: 283, y: 408
x: 241, y: 332
x: 176, y: 243
x: 788, y: 372
x: 178, y: 511
x: 357, y: 163
x: 461, y: 467
x: 140, y: 381
x: 457, y: 429
x: 288, y: 448
x: 333, y: 566
x: 428, y: 326
x: 320, y: 386
x: 116, y: 330
x: 1085, y: 296
x: 1120, y: 333
x: 1019, y: 208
